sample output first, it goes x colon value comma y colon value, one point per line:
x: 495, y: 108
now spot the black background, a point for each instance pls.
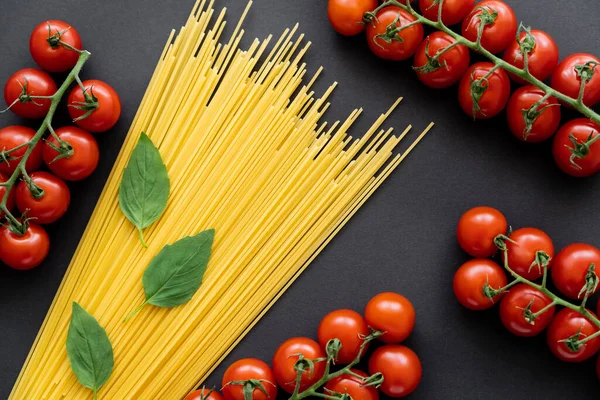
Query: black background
x: 403, y: 238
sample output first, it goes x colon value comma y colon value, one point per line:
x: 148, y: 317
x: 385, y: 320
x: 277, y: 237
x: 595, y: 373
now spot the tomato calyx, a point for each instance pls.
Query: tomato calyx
x: 487, y: 16
x: 332, y: 349
x: 478, y: 87
x: 36, y: 191
x: 374, y: 380
x: 89, y: 105
x: 527, y: 44
x: 580, y: 150
x: 573, y: 343
x: 528, y: 315
x: 64, y: 149
x: 500, y: 241
x: 433, y: 63
x: 541, y: 261
x: 531, y: 114
x: 250, y: 385
x: 392, y: 32
x: 591, y: 283
x: 585, y: 72
x: 25, y: 96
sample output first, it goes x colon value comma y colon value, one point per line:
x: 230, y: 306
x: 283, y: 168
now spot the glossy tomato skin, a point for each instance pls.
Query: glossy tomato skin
x: 581, y: 129
x: 522, y: 247
x: 81, y: 163
x: 346, y: 16
x: 102, y: 118
x: 497, y: 36
x: 57, y: 58
x: 565, y: 79
x: 542, y: 59
x: 348, y: 326
x: 13, y: 136
x: 396, y: 50
x: 546, y: 123
x: 38, y: 83
x: 353, y: 386
x: 565, y: 324
x: 26, y: 251
x: 10, y: 202
x: 454, y: 62
x: 401, y: 369
x: 204, y: 394
x: 391, y: 313
x: 470, y: 280
x: 494, y: 98
x: 477, y: 229
x: 249, y: 369
x: 286, y: 357
x: 570, y: 267
x: 52, y: 205
x: 512, y: 313
x: 453, y: 11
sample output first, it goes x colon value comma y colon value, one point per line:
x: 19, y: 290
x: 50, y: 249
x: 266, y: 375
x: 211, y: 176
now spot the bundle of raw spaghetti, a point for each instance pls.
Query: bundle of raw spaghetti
x: 246, y: 156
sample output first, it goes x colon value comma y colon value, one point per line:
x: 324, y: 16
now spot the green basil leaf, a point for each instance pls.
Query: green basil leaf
x: 145, y: 186
x: 89, y: 350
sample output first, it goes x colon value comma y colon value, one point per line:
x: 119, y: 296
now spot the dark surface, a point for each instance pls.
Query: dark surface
x: 403, y: 238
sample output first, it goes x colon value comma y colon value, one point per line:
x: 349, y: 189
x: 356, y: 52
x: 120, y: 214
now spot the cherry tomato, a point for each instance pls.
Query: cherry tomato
x: 522, y: 248
x: 25, y: 251
x: 453, y: 11
x: 566, y: 79
x: 26, y: 83
x: 245, y: 370
x: 391, y: 313
x: 13, y: 136
x: 477, y: 229
x: 353, y: 386
x: 403, y: 44
x: 453, y: 63
x: 102, y: 118
x: 568, y: 323
x: 471, y: 279
x: 540, y: 122
x: 349, y: 327
x: 346, y: 16
x: 52, y: 205
x: 47, y: 46
x: 541, y: 61
x: 286, y: 357
x: 401, y: 369
x: 204, y: 394
x: 496, y: 91
x: 571, y: 266
x: 499, y: 33
x: 82, y: 159
x: 513, y: 312
x: 10, y: 202
x: 582, y: 158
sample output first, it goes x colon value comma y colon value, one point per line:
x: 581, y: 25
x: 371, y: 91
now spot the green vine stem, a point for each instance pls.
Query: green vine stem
x: 523, y: 73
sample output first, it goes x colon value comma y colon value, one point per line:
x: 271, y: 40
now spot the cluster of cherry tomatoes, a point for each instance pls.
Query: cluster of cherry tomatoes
x: 484, y: 91
x: 43, y: 197
x: 525, y: 310
x: 391, y: 315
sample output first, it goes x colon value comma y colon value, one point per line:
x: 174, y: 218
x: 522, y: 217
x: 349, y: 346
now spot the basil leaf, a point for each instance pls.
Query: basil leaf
x: 145, y: 186
x: 176, y: 273
x: 89, y: 350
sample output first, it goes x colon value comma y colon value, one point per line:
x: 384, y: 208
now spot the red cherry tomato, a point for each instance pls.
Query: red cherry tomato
x: 10, y: 202
x: 391, y: 313
x: 541, y: 120
x: 47, y: 46
x: 571, y: 266
x: 349, y: 327
x: 522, y: 248
x: 477, y: 229
x: 13, y: 136
x: 346, y: 16
x: 499, y: 33
x: 566, y: 79
x: 25, y: 251
x: 513, y: 312
x: 24, y: 84
x: 453, y: 11
x: 471, y: 279
x: 286, y: 357
x: 403, y: 44
x: 541, y: 60
x: 353, y: 386
x: 582, y: 158
x: 204, y: 394
x: 245, y: 370
x: 52, y: 205
x: 453, y: 63
x: 82, y: 159
x: 568, y: 323
x: 401, y: 369
x: 102, y: 118
x: 496, y: 91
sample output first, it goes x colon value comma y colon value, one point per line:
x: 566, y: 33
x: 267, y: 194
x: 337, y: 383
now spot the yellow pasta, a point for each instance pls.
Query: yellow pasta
x: 246, y: 155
